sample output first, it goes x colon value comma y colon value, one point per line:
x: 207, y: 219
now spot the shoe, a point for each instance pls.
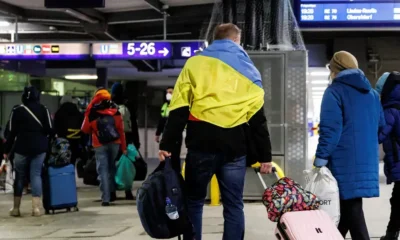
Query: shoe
x: 14, y: 212
x: 129, y: 195
x: 105, y: 204
x: 36, y: 202
x: 113, y: 197
x: 391, y: 236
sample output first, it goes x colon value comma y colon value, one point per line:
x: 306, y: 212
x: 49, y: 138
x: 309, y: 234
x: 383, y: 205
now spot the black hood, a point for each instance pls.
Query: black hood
x: 31, y: 95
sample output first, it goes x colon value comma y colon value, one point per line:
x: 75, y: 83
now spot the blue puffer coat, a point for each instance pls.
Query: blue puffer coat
x: 351, y: 115
x: 392, y: 128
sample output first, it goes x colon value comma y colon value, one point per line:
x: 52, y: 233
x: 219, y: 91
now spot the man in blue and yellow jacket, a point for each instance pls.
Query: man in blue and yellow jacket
x: 220, y: 92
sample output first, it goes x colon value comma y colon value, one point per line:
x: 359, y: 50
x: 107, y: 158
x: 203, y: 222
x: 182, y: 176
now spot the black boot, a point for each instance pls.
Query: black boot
x: 113, y: 197
x: 129, y: 195
x: 391, y: 236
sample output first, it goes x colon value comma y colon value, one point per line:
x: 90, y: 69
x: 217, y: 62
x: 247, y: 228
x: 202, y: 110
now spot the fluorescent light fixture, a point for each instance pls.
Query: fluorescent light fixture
x: 320, y: 81
x: 319, y: 88
x: 318, y: 93
x: 81, y: 77
x: 4, y: 24
x: 319, y: 73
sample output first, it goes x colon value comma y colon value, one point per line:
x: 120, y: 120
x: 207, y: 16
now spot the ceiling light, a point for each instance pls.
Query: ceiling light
x: 319, y: 73
x: 81, y: 77
x: 4, y: 24
x: 320, y: 81
x: 318, y: 93
x: 319, y: 88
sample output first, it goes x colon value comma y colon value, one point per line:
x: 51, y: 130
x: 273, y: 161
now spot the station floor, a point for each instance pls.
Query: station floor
x: 121, y: 221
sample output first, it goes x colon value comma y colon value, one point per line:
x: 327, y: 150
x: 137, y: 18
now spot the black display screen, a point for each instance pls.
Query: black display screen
x: 74, y: 3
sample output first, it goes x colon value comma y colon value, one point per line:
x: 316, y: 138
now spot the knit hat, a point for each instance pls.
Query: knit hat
x: 341, y: 61
x: 381, y: 82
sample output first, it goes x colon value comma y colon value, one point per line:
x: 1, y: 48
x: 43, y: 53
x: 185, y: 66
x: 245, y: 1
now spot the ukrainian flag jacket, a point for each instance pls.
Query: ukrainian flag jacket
x: 223, y: 90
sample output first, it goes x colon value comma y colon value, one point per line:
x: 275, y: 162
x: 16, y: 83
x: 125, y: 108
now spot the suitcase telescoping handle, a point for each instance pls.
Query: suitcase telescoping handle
x: 257, y: 170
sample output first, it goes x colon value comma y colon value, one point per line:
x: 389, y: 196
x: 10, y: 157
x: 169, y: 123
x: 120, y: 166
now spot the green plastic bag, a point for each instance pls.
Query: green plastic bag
x: 126, y: 169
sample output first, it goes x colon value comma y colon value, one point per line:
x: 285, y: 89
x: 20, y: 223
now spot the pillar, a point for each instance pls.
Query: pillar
x: 102, y: 80
x: 229, y: 11
x: 254, y: 24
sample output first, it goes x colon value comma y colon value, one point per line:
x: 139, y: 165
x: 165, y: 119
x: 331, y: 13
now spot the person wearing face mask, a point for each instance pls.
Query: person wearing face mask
x: 176, y: 153
x: 351, y: 116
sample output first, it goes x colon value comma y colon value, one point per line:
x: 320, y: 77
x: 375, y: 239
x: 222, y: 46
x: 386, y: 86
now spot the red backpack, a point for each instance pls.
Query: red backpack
x: 288, y: 196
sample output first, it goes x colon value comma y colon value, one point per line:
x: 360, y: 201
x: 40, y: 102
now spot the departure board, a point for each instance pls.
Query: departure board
x: 348, y: 13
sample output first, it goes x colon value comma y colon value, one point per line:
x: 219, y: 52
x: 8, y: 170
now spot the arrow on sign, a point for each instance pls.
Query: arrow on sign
x: 165, y: 51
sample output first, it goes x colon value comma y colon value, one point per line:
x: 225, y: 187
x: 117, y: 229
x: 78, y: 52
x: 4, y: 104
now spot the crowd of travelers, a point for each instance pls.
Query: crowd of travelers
x: 225, y: 122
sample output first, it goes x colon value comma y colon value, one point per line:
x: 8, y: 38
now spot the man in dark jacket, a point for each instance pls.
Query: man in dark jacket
x: 217, y: 95
x: 29, y: 130
x: 67, y: 122
x: 389, y: 136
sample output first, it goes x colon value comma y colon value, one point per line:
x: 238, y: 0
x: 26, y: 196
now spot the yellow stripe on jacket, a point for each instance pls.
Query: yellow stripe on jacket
x: 216, y: 93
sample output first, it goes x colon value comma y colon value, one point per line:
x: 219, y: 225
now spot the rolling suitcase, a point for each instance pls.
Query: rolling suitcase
x: 304, y: 225
x: 59, y: 189
x: 307, y: 225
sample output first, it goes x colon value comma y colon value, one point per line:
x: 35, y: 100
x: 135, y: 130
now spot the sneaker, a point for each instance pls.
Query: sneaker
x: 105, y: 204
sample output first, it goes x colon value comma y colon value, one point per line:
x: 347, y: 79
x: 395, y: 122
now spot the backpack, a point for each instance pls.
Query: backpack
x: 151, y: 200
x: 60, y: 153
x: 288, y: 196
x: 126, y: 117
x: 106, y: 129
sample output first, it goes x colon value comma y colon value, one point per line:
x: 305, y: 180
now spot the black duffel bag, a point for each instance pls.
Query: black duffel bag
x: 151, y: 199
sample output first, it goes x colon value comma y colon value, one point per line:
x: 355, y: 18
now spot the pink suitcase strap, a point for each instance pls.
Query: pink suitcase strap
x: 307, y: 225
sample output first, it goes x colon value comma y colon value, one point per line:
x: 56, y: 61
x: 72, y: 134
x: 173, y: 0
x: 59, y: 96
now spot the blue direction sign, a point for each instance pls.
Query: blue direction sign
x: 132, y: 50
x: 188, y: 49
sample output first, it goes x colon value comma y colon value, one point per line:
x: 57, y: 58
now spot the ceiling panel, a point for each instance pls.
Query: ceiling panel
x: 36, y: 4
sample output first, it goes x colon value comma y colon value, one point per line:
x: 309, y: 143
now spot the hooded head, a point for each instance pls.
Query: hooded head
x: 381, y: 82
x: 31, y: 95
x: 168, y: 93
x: 117, y: 93
x: 391, y: 89
x: 100, y: 95
x: 342, y: 61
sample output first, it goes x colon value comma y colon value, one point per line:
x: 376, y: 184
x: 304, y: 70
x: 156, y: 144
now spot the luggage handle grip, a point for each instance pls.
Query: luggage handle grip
x: 257, y: 170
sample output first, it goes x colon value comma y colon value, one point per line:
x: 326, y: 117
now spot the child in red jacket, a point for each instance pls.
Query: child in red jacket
x: 105, y: 124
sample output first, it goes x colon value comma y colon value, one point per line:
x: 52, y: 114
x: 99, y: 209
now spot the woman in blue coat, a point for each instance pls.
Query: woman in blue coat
x: 350, y: 119
x: 389, y: 85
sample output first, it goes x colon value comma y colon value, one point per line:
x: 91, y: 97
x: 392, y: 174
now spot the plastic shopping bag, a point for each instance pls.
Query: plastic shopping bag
x: 321, y: 182
x: 126, y: 169
x: 6, y: 177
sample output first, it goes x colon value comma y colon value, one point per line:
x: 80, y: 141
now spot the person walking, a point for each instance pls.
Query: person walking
x: 105, y: 124
x: 218, y: 95
x: 389, y: 87
x: 351, y: 116
x: 176, y: 152
x: 67, y: 122
x: 130, y: 123
x: 30, y: 127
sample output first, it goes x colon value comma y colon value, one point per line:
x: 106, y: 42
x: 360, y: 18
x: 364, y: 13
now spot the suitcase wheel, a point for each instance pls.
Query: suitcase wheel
x: 76, y: 209
x: 47, y: 212
x: 68, y: 209
x: 53, y: 211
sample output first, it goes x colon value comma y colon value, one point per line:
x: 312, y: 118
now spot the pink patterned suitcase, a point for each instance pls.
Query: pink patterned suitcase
x: 307, y: 225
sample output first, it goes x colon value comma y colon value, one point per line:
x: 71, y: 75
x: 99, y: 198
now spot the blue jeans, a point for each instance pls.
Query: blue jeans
x: 106, y: 169
x: 33, y: 164
x: 200, y: 167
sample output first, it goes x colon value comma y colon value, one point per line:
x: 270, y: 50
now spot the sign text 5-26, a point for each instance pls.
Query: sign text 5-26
x: 144, y: 49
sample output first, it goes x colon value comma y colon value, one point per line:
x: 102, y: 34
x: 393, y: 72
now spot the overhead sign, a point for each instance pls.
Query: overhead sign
x: 188, y: 49
x: 132, y: 50
x: 348, y: 13
x: 44, y: 51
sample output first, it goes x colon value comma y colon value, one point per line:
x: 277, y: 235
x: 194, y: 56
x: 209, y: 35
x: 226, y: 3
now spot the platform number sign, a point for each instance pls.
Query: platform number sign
x: 144, y: 49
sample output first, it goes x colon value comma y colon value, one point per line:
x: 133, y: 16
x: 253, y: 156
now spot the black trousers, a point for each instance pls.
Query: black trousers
x: 394, y: 222
x: 352, y: 219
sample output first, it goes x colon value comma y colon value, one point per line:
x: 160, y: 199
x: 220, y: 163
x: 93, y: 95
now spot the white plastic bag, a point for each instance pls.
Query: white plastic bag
x: 321, y: 182
x: 7, y: 178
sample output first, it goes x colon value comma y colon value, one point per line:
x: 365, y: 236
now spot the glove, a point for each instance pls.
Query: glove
x: 319, y: 162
